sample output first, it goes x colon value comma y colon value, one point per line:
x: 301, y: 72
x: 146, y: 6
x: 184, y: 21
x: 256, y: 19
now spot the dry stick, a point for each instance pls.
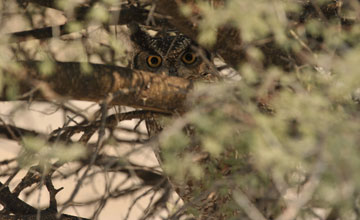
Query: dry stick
x: 31, y: 177
x: 123, y: 16
x: 152, y: 209
x: 40, y: 33
x: 11, y: 177
x: 129, y: 87
x: 306, y: 193
x: 15, y: 133
x: 301, y: 42
x: 44, y: 216
x: 249, y: 208
x: 44, y: 3
x: 14, y: 204
x: 99, y: 144
x: 115, y: 193
x: 141, y: 196
x: 22, y: 210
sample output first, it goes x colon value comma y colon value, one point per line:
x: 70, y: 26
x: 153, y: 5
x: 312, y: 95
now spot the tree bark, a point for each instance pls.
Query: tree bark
x: 122, y: 86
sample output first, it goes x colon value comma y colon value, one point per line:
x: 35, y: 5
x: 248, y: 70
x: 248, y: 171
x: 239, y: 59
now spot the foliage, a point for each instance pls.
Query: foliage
x: 298, y: 127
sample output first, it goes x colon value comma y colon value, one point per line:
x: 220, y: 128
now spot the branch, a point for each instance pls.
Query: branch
x: 150, y: 177
x: 13, y: 204
x: 45, y: 3
x: 44, y: 216
x: 40, y: 33
x: 248, y: 207
x: 23, y: 211
x: 14, y: 133
x: 293, y: 207
x: 122, y: 86
x: 123, y: 16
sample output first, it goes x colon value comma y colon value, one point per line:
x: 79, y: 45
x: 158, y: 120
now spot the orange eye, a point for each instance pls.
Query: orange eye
x: 188, y: 58
x: 154, y: 61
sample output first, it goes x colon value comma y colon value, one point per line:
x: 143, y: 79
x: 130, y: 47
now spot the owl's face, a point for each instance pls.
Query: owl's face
x: 170, y: 55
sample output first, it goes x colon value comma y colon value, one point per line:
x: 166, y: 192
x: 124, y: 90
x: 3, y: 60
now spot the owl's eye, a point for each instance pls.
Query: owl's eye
x: 154, y: 61
x: 188, y: 58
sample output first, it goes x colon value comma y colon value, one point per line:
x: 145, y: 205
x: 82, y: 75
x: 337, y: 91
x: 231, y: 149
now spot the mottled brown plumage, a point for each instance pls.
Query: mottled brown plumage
x: 177, y: 57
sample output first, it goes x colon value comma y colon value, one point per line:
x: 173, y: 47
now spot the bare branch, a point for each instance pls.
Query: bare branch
x: 44, y: 216
x: 149, y: 176
x: 306, y: 193
x: 123, y: 16
x: 14, y: 204
x: 14, y: 133
x: 243, y: 201
x: 124, y: 86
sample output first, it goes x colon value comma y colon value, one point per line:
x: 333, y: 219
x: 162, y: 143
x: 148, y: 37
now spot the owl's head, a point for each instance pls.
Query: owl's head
x: 170, y: 53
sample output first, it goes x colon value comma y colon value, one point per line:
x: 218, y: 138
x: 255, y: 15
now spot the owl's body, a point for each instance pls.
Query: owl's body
x: 173, y: 54
x: 170, y: 53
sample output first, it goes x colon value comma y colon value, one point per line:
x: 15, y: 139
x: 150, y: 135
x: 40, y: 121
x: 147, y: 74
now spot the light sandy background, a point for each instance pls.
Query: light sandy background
x: 37, y: 117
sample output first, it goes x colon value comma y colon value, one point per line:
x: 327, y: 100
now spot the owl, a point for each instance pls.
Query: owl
x: 173, y: 54
x: 168, y: 53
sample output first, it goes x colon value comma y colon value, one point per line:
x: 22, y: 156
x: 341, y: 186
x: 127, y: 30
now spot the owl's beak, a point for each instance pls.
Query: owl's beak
x: 173, y: 71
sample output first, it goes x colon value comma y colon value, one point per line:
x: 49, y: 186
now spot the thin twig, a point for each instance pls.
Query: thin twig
x: 249, y: 208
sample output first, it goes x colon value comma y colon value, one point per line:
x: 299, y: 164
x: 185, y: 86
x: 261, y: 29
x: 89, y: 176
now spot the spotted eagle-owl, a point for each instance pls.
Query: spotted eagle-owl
x: 168, y: 53
x: 172, y: 54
